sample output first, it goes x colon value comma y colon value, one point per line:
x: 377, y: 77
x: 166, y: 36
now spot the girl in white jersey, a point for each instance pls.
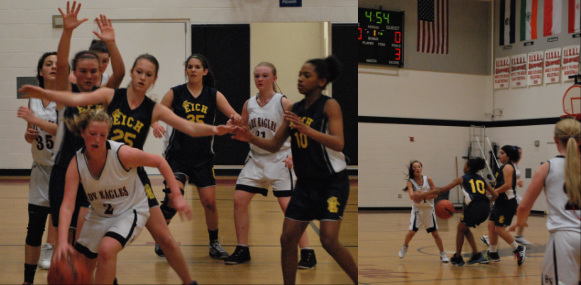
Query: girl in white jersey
x: 263, y: 114
x: 41, y: 117
x: 422, y: 209
x: 562, y: 183
x: 119, y: 207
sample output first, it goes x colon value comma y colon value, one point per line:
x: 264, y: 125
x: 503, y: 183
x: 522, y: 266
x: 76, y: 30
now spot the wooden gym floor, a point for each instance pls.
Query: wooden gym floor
x: 138, y: 264
x: 382, y: 233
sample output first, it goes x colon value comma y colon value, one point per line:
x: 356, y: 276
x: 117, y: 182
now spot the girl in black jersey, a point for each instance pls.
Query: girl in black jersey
x: 476, y: 206
x: 315, y: 126
x: 192, y: 158
x: 132, y: 113
x: 504, y: 207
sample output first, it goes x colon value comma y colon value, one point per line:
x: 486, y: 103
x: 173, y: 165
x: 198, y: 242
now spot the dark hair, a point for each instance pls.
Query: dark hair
x: 208, y: 79
x: 326, y: 68
x: 411, y: 172
x: 39, y: 67
x: 99, y: 46
x: 150, y: 58
x: 511, y: 152
x: 476, y: 164
x: 84, y: 54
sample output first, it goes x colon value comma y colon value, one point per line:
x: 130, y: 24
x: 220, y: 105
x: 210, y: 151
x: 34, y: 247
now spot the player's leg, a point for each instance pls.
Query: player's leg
x: 291, y: 233
x: 157, y: 227
x: 330, y: 242
x: 308, y: 258
x: 208, y: 200
x: 37, y: 216
x: 107, y: 260
x: 241, y: 220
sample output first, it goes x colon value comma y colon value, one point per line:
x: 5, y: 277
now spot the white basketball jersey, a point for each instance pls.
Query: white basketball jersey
x: 426, y: 203
x: 264, y: 121
x: 559, y: 218
x: 116, y: 190
x: 42, y: 148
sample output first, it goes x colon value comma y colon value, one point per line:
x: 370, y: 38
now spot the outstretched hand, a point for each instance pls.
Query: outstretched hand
x: 107, y: 32
x: 241, y: 134
x: 295, y: 122
x: 182, y: 207
x: 223, y: 129
x: 235, y: 120
x: 31, y: 91
x: 70, y: 20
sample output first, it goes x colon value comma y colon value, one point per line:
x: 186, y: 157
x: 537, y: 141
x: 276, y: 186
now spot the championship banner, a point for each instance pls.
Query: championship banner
x: 553, y: 65
x: 535, y: 68
x: 501, y: 72
x: 569, y: 62
x: 518, y: 71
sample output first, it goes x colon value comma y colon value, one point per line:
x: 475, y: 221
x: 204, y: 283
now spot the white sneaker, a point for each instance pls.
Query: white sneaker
x: 403, y: 250
x: 521, y: 240
x: 45, y: 256
x: 444, y: 257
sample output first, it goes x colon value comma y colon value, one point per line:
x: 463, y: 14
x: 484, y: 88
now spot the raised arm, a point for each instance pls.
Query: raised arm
x: 70, y: 23
x: 334, y: 140
x: 132, y: 158
x: 99, y: 96
x: 107, y: 35
x: 162, y: 113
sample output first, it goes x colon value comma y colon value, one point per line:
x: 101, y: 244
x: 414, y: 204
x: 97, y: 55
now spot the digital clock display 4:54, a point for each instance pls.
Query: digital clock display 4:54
x: 381, y: 37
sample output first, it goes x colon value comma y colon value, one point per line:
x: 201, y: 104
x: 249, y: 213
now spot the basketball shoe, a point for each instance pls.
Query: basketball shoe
x: 216, y: 250
x: 241, y: 254
x: 308, y: 259
x: 45, y: 256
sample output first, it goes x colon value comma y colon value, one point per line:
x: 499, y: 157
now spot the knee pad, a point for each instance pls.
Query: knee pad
x: 168, y: 212
x: 36, y: 224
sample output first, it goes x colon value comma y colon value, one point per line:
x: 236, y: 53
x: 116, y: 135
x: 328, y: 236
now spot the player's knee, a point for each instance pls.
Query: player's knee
x: 35, y: 230
x: 330, y: 244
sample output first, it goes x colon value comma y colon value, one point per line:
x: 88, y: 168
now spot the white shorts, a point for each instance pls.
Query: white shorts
x: 39, y: 178
x: 562, y: 258
x: 425, y: 217
x: 124, y: 228
x: 262, y: 171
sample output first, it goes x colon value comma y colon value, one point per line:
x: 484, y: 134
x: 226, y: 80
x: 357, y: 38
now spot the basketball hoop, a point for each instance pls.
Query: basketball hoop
x: 572, y: 100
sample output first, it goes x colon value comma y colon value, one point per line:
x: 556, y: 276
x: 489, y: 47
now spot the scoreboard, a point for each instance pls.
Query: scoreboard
x: 381, y: 37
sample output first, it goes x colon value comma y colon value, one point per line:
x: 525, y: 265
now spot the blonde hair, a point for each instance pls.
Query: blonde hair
x: 268, y: 64
x: 80, y: 122
x: 568, y: 131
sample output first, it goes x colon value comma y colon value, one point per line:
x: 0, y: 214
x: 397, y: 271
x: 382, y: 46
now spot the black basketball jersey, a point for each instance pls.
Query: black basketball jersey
x: 70, y: 143
x: 130, y: 126
x: 475, y: 186
x: 200, y: 110
x: 311, y: 158
x: 509, y: 194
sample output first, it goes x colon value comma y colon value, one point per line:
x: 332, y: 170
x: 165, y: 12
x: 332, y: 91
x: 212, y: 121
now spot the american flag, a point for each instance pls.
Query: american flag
x: 433, y: 26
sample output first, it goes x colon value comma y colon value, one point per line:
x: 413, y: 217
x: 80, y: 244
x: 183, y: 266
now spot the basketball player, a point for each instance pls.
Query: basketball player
x: 132, y: 112
x: 561, y: 181
x: 476, y: 206
x: 119, y: 207
x: 263, y: 114
x: 41, y: 117
x: 192, y: 159
x: 315, y: 126
x: 422, y: 208
x: 504, y: 208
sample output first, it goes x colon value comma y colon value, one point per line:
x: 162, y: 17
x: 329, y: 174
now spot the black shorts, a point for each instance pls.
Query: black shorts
x: 56, y: 192
x: 200, y: 175
x: 319, y: 199
x: 502, y: 212
x: 475, y: 213
x: 151, y: 200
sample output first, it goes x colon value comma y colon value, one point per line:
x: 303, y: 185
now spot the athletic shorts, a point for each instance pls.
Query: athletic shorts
x: 151, y: 200
x: 38, y: 187
x: 262, y: 171
x: 475, y: 213
x: 321, y: 199
x: 502, y: 212
x: 56, y: 192
x: 200, y: 176
x: 426, y: 217
x: 124, y: 228
x: 562, y: 258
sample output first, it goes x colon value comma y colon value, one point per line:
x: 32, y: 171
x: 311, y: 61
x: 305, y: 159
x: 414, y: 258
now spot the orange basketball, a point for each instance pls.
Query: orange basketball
x: 69, y: 271
x: 444, y: 209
